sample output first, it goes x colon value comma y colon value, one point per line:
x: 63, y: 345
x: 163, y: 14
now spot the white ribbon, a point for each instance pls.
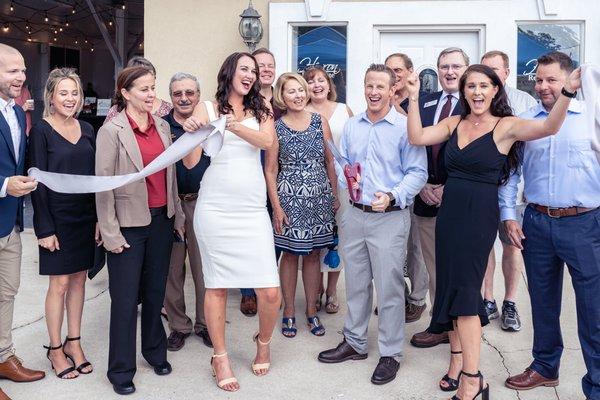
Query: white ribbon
x: 590, y: 91
x: 209, y: 136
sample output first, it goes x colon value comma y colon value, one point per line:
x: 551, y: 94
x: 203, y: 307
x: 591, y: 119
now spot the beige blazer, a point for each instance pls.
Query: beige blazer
x: 117, y: 153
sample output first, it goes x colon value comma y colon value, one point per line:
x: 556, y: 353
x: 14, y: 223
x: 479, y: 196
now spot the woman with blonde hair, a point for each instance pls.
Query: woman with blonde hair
x: 322, y: 99
x: 302, y: 187
x: 65, y: 224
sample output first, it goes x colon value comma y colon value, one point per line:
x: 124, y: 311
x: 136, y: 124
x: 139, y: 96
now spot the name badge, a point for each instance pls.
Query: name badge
x: 430, y: 103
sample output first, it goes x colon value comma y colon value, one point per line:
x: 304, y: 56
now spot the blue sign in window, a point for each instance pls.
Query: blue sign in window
x: 325, y: 46
x: 534, y: 40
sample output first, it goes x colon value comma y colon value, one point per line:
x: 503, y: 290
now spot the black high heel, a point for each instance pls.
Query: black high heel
x: 84, y: 364
x: 62, y: 373
x: 452, y: 383
x: 483, y: 391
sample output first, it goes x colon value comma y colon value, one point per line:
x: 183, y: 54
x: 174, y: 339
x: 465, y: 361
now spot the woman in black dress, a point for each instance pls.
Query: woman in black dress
x: 65, y: 224
x: 482, y: 151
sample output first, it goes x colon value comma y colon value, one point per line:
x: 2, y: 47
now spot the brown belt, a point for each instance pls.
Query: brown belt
x: 188, y: 196
x: 369, y: 209
x: 555, y: 212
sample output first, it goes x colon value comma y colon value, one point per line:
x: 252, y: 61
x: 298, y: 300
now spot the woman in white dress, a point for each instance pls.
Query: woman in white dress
x: 231, y: 220
x: 322, y: 94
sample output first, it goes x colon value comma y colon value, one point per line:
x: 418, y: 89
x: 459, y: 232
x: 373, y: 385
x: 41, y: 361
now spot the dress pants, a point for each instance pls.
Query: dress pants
x: 549, y: 244
x: 174, y: 295
x: 10, y: 269
x: 144, y: 265
x: 374, y: 252
x: 415, y: 266
x: 426, y: 229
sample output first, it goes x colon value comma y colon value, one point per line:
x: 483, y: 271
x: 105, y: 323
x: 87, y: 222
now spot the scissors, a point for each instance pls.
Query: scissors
x: 351, y: 171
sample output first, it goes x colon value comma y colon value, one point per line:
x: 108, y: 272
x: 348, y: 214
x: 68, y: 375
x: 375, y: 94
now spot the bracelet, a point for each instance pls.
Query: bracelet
x: 568, y: 94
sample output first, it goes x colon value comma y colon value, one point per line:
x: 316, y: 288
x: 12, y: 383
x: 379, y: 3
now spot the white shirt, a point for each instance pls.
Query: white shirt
x: 519, y: 100
x: 442, y: 101
x: 9, y: 114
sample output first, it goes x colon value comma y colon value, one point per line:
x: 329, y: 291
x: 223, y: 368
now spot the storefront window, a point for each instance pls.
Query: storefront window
x: 535, y: 40
x: 325, y: 46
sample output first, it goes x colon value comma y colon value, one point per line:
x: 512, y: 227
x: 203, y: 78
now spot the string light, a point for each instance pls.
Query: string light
x: 76, y: 41
x: 66, y: 21
x: 73, y: 10
x: 55, y: 38
x: 12, y: 8
x: 110, y: 23
x: 29, y: 38
x: 45, y: 16
x: 60, y: 29
x: 6, y: 27
x: 86, y: 41
x: 92, y: 49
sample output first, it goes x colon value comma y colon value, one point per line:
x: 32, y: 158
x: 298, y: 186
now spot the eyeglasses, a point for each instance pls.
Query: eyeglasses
x: 188, y: 93
x: 453, y: 67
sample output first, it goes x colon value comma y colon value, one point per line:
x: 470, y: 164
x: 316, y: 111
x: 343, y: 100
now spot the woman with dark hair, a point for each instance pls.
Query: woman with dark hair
x: 160, y: 108
x: 231, y: 220
x: 137, y: 223
x: 482, y: 151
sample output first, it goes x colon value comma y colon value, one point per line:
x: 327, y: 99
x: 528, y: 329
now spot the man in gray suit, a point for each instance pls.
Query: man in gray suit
x: 375, y: 229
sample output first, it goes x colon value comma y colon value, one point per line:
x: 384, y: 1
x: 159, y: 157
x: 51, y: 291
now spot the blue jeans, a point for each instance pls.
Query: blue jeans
x: 549, y: 244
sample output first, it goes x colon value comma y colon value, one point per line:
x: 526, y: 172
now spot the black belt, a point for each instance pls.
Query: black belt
x: 156, y: 211
x: 369, y: 209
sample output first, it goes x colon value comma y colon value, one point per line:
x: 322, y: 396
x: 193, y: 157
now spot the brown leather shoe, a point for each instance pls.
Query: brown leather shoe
x: 248, y: 306
x: 176, y: 340
x: 529, y: 380
x: 15, y: 371
x: 427, y: 339
x: 413, y: 312
x: 3, y: 396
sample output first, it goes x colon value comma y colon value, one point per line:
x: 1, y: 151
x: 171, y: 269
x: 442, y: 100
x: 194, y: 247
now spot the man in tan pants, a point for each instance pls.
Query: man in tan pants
x: 12, y: 187
x: 185, y: 95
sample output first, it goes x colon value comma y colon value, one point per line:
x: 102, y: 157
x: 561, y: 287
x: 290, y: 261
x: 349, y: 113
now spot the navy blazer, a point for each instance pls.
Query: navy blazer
x: 427, y: 116
x: 11, y: 208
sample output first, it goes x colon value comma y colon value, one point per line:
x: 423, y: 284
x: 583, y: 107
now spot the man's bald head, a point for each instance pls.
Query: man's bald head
x: 12, y: 72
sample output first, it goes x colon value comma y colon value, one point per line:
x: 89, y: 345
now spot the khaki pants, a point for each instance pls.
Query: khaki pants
x: 10, y: 269
x: 174, y: 296
x: 415, y: 265
x: 426, y: 226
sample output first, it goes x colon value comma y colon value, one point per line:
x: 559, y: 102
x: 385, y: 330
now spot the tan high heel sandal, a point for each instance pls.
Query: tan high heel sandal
x: 256, y: 368
x: 221, y: 384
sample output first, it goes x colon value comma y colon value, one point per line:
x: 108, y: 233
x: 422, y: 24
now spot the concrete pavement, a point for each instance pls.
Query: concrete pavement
x: 295, y: 372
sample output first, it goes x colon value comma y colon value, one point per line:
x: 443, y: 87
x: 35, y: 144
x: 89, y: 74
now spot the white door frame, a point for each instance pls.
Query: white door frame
x: 379, y: 29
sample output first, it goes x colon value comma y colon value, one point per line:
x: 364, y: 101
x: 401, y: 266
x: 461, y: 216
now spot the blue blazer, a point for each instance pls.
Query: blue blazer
x: 11, y: 208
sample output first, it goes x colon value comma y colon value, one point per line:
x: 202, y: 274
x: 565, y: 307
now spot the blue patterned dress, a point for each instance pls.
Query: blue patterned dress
x: 304, y: 189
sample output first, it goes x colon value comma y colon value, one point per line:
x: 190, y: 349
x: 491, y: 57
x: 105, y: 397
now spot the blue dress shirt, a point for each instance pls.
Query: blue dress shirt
x: 559, y: 170
x: 388, y: 162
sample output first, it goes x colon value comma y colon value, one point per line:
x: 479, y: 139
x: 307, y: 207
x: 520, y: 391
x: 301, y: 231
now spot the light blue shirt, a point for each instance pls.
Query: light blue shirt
x: 388, y: 162
x: 559, y: 170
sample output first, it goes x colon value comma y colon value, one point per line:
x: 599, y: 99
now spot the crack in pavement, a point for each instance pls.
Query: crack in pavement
x: 43, y: 316
x: 487, y: 342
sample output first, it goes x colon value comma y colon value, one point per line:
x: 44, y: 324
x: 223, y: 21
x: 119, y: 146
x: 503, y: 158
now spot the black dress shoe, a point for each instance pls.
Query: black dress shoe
x: 385, y: 371
x: 126, y: 388
x: 343, y: 352
x: 163, y: 369
x: 203, y: 334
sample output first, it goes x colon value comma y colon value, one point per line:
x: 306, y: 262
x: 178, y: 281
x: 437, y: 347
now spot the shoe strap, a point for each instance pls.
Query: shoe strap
x: 455, y: 352
x: 53, y: 348
x: 72, y: 339
x: 477, y: 375
x: 219, y: 355
x: 257, y: 338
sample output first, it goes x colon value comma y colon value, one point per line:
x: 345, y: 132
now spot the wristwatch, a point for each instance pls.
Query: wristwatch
x: 392, y: 198
x: 568, y: 94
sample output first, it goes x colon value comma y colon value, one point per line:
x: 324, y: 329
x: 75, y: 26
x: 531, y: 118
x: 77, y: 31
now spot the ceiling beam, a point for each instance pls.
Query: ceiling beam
x: 115, y: 55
